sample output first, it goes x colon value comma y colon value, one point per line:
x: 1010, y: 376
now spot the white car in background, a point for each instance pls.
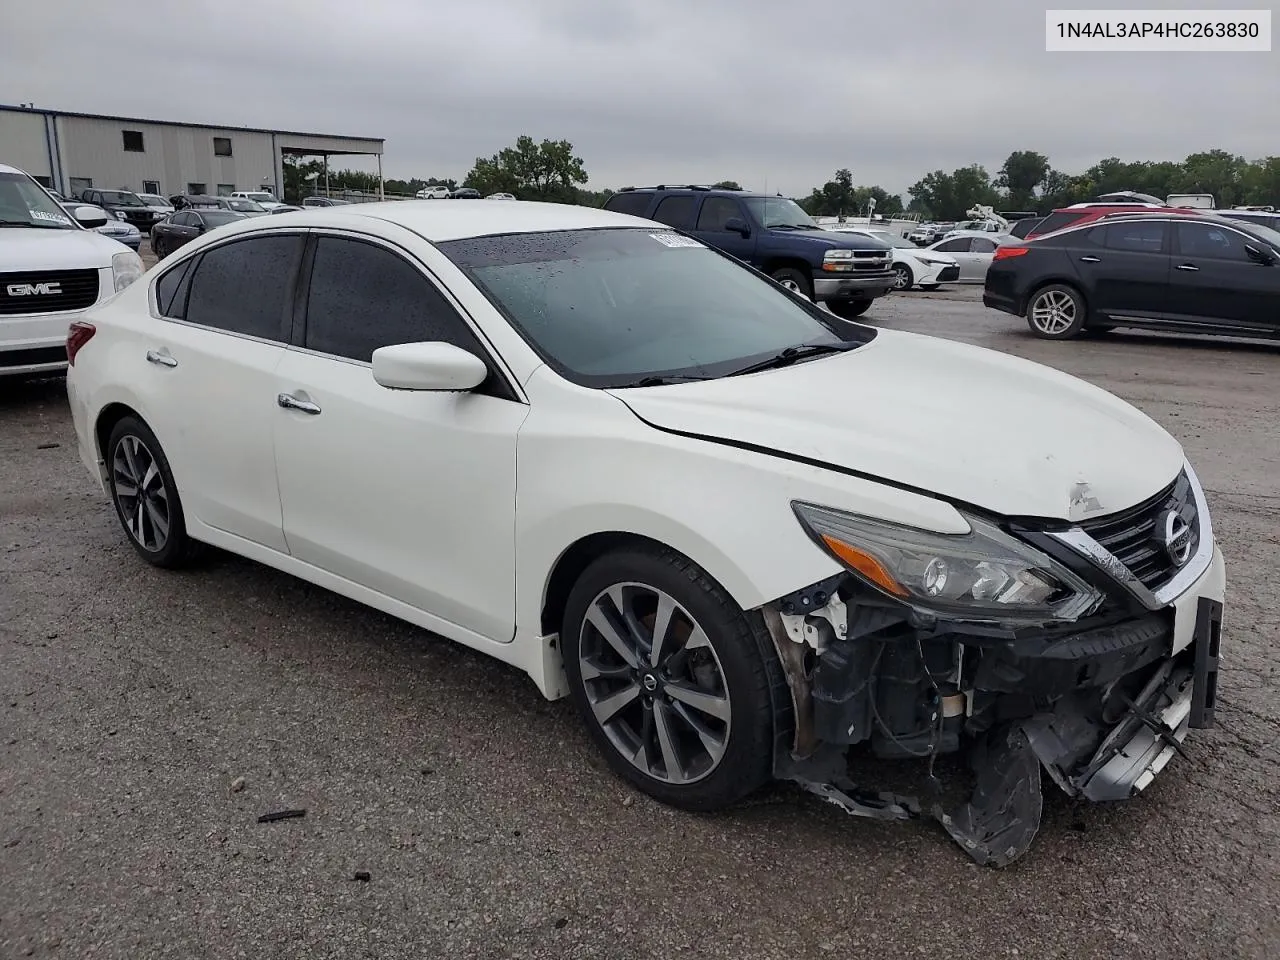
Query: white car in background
x: 433, y: 193
x: 972, y: 249
x: 501, y: 196
x: 911, y: 265
x: 747, y: 536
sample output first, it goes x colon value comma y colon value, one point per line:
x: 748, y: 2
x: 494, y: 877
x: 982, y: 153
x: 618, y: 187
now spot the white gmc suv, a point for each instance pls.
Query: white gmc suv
x: 52, y: 269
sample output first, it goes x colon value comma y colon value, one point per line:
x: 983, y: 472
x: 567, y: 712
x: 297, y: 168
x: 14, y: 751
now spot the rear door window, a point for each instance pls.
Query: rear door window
x: 1144, y: 237
x: 675, y: 211
x: 245, y: 286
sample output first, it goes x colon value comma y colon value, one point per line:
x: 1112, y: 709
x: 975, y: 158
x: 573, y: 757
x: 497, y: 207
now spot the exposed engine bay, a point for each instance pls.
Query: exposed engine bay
x: 1101, y: 704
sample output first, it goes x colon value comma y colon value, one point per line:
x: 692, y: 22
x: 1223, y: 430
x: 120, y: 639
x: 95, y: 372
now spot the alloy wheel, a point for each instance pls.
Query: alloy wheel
x: 791, y: 285
x: 141, y: 494
x: 901, y: 279
x: 654, y: 683
x: 1053, y: 312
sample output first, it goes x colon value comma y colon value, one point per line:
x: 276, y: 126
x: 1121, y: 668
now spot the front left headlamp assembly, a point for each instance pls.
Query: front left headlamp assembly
x: 983, y: 575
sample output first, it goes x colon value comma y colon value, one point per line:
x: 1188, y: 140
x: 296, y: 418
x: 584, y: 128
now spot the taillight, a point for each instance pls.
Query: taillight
x: 1004, y: 253
x: 78, y: 335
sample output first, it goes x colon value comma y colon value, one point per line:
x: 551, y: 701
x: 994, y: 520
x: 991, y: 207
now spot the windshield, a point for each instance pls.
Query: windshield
x: 216, y: 218
x: 260, y: 197
x: 610, y: 307
x: 24, y: 203
x: 247, y: 206
x: 775, y: 212
x: 121, y: 198
x: 154, y: 200
x: 1266, y: 233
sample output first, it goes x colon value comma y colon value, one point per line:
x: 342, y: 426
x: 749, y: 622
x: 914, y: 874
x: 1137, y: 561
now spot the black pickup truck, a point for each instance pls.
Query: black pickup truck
x: 123, y: 205
x: 846, y: 271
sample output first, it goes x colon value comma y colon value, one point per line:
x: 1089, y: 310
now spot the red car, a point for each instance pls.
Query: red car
x: 1082, y: 213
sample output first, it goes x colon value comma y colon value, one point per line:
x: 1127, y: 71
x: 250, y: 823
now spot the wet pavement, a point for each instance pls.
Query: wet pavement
x: 147, y: 719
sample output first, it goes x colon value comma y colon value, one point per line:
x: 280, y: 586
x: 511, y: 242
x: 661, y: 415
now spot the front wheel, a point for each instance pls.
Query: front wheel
x: 1056, y: 312
x: 902, y: 278
x: 670, y: 678
x: 794, y: 280
x: 848, y: 309
x: 157, y: 247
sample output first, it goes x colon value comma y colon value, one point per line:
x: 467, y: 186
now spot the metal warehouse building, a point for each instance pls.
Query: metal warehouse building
x: 71, y: 152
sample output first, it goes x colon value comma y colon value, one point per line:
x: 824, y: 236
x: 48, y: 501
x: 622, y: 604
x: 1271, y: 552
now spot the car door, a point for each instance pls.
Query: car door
x: 186, y: 227
x: 1124, y: 266
x: 1217, y: 280
x: 211, y: 369
x: 981, y: 252
x: 710, y: 227
x: 408, y: 493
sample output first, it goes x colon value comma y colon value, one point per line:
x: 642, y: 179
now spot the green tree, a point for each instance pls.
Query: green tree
x: 532, y: 171
x: 727, y: 185
x: 1022, y: 173
x: 948, y: 196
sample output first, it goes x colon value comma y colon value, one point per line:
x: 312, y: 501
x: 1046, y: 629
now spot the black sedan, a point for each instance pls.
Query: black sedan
x: 185, y: 225
x: 1148, y: 270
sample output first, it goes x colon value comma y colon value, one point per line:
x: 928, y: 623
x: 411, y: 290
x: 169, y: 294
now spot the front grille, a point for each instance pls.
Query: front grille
x: 47, y: 291
x: 1136, y: 537
x: 870, y: 261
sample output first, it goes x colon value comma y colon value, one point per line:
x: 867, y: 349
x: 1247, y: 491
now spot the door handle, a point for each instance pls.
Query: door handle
x: 1187, y: 266
x: 1090, y: 260
x: 164, y: 359
x: 290, y: 402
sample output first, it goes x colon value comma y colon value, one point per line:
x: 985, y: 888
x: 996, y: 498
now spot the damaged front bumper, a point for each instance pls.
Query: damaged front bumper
x: 1102, y: 708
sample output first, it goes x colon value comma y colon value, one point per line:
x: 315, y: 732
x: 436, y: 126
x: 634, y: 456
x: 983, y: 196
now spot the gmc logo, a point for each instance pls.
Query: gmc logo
x: 33, y: 289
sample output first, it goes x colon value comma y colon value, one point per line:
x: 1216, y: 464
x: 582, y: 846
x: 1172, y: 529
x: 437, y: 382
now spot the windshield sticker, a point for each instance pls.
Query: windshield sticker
x: 675, y: 240
x: 49, y: 217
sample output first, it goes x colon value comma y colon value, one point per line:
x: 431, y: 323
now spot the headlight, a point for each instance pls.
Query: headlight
x: 981, y: 575
x: 935, y: 261
x: 121, y: 215
x: 126, y: 267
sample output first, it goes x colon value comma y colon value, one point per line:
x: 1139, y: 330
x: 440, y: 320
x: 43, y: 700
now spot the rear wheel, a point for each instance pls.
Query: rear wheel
x: 794, y: 280
x: 848, y: 309
x: 145, y: 496
x: 1056, y: 312
x: 670, y: 678
x: 157, y: 247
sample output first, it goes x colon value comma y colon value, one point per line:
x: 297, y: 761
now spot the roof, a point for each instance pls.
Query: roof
x: 179, y: 123
x: 438, y: 221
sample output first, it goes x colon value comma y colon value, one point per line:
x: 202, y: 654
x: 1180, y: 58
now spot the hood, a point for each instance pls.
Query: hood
x: 56, y: 249
x: 962, y: 422
x: 831, y: 239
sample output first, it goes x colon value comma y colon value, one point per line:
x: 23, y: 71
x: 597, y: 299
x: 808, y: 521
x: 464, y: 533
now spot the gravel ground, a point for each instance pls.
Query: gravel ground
x: 147, y: 719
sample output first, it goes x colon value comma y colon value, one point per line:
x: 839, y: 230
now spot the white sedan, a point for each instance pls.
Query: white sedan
x: 745, y: 536
x: 911, y: 265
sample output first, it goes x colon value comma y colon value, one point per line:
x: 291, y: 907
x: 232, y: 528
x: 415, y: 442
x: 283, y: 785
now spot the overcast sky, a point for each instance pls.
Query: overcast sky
x: 768, y: 93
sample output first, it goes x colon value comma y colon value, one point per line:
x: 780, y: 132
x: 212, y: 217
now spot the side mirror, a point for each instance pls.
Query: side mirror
x: 1260, y: 255
x: 428, y: 366
x: 90, y: 217
x: 737, y: 225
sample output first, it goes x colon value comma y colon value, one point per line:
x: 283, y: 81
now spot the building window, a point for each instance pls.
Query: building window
x: 222, y: 146
x: 197, y: 189
x: 151, y: 186
x: 133, y: 141
x: 226, y: 189
x: 43, y: 181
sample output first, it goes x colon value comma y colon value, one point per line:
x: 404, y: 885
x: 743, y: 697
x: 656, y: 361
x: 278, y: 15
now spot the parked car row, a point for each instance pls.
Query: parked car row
x: 462, y: 193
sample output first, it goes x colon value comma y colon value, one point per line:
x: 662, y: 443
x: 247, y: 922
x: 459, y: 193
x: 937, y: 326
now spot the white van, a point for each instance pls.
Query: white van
x: 53, y: 267
x: 263, y: 198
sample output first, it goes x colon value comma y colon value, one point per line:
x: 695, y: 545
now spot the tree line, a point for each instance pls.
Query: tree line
x: 551, y: 170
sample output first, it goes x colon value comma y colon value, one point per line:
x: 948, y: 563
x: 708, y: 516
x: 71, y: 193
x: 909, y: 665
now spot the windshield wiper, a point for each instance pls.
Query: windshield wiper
x: 790, y: 355
x: 662, y: 381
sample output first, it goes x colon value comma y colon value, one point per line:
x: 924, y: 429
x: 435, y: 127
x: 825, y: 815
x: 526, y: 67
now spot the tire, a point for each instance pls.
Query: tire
x: 730, y: 676
x: 157, y: 247
x: 929, y: 287
x: 797, y: 281
x: 849, y: 309
x: 903, y: 278
x: 161, y: 531
x: 1056, y: 312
